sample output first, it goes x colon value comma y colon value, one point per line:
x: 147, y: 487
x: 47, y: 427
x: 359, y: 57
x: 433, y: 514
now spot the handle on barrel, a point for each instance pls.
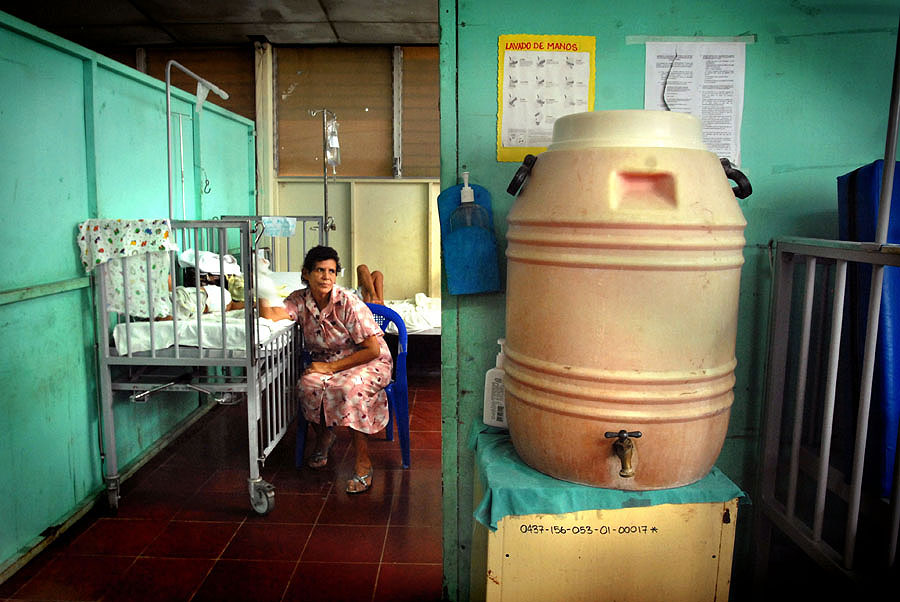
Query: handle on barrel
x: 522, y: 174
x: 743, y: 188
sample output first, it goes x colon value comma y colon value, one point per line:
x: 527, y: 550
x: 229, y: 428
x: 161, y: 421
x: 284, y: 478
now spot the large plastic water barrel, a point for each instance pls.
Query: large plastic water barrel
x: 624, y: 261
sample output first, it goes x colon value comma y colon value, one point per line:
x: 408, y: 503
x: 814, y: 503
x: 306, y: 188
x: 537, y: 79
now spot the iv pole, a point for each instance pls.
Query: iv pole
x: 219, y: 91
x: 329, y: 221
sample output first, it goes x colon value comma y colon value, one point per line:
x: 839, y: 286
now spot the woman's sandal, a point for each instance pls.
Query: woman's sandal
x: 319, y: 459
x: 363, y: 479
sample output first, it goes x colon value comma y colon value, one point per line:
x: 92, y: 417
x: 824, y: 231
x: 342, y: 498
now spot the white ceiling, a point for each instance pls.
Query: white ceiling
x: 110, y: 23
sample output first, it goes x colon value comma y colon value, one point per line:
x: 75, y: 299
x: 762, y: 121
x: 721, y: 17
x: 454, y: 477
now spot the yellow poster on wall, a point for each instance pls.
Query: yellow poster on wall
x: 540, y: 78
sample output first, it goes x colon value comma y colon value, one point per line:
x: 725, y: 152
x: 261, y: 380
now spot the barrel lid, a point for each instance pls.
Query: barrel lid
x: 630, y: 128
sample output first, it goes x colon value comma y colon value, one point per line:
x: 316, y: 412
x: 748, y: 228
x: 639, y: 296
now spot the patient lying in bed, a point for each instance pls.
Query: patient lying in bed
x: 214, y: 298
x: 271, y: 305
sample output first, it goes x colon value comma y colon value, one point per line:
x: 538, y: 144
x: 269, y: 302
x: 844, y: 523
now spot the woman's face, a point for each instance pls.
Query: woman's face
x: 321, y: 278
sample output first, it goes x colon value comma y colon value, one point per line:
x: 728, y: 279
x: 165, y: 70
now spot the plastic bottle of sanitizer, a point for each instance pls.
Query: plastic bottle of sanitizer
x: 468, y: 213
x: 494, y: 393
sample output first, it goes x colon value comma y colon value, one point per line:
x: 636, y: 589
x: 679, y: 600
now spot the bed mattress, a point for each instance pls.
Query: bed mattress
x: 421, y: 314
x: 210, y: 333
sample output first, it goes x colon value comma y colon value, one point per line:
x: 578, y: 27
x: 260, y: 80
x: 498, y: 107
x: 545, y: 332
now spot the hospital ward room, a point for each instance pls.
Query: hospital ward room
x: 449, y: 301
x: 187, y: 247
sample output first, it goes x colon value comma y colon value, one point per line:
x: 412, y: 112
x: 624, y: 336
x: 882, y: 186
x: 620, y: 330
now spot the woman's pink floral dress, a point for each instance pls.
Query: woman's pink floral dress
x: 354, y: 397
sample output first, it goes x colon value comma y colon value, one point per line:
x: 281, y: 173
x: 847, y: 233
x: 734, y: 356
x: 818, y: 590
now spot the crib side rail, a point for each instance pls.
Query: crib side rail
x: 800, y: 424
x: 286, y: 253
x: 142, y: 290
x: 280, y: 366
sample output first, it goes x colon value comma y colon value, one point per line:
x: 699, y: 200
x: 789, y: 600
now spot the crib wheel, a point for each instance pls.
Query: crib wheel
x: 262, y: 497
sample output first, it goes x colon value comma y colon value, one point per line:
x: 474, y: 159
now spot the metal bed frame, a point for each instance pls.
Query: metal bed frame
x: 809, y: 489
x: 854, y: 532
x: 265, y: 370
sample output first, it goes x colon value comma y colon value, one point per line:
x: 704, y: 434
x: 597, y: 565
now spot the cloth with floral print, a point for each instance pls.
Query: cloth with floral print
x: 353, y: 397
x: 118, y: 242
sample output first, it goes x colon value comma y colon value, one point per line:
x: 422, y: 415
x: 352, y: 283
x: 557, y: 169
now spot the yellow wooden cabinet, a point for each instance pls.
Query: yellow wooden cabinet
x: 559, y: 541
x: 669, y: 552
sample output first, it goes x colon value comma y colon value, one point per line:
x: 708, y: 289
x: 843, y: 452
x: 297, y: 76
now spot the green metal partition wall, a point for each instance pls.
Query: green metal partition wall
x: 82, y: 137
x: 817, y: 94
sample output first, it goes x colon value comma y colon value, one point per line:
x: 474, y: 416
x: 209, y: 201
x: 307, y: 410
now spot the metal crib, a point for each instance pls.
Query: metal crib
x: 263, y: 368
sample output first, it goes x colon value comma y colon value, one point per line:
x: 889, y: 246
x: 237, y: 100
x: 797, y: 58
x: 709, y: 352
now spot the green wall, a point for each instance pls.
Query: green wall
x: 82, y: 137
x: 817, y: 94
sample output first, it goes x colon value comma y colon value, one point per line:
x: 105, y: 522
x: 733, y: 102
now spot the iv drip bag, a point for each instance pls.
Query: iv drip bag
x: 332, y: 146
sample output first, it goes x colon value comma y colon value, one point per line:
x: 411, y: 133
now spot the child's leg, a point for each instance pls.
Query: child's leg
x: 364, y: 277
x: 378, y: 282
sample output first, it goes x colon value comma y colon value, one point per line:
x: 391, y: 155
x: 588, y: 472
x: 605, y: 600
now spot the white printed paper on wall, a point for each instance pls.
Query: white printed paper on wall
x: 705, y: 79
x: 540, y: 79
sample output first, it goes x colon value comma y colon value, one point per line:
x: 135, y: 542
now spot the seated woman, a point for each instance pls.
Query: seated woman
x: 351, y: 363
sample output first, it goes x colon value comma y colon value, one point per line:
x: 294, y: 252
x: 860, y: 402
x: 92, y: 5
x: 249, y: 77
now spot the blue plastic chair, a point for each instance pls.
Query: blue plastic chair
x: 397, y: 391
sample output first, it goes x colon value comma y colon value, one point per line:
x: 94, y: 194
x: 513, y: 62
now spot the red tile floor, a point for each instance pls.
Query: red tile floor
x: 185, y: 530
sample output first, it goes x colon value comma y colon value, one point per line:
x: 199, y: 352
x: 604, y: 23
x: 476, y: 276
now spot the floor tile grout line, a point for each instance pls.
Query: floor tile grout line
x: 309, y: 535
x: 287, y: 585
x: 172, y: 462
x: 224, y: 547
x: 331, y: 489
x: 217, y: 559
x: 387, y: 531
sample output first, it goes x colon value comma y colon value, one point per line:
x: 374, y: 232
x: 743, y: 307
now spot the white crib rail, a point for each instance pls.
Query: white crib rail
x: 783, y: 425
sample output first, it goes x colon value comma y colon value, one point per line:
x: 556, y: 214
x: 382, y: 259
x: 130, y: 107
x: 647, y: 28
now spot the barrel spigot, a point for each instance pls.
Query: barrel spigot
x: 623, y: 446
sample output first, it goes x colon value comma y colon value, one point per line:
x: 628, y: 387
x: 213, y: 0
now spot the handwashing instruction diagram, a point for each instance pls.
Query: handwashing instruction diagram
x: 540, y: 79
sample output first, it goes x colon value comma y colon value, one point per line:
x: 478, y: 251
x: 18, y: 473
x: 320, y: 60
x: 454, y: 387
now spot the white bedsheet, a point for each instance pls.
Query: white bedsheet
x: 286, y: 282
x: 211, y: 330
x: 420, y: 313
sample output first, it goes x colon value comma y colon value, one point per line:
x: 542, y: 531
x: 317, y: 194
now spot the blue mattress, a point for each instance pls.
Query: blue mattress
x: 858, y: 199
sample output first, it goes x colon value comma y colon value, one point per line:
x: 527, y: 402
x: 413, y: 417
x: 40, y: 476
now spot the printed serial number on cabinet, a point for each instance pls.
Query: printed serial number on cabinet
x: 589, y: 529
